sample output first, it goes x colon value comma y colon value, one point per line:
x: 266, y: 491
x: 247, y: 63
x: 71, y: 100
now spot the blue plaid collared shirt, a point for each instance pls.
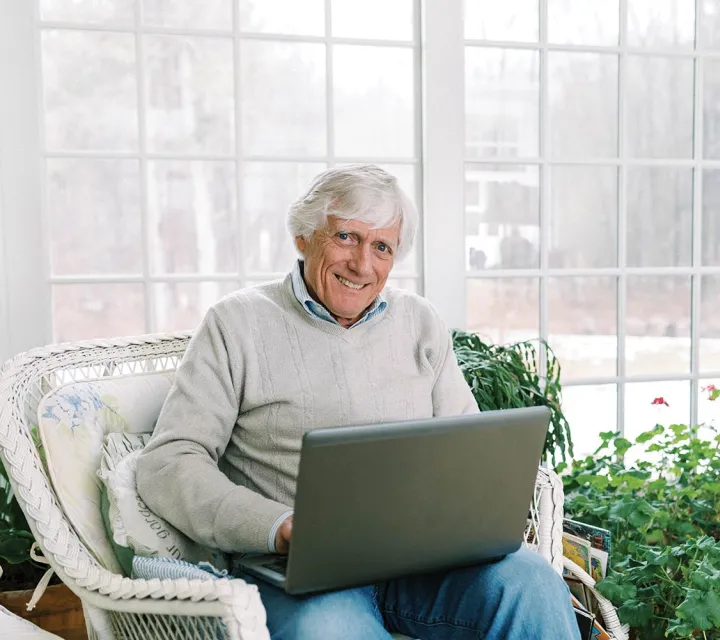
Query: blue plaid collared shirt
x: 316, y: 309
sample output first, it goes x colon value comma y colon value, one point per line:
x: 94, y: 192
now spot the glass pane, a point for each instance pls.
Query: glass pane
x: 373, y: 19
x: 90, y: 100
x: 711, y: 218
x: 180, y: 306
x: 504, y: 310
x: 511, y: 21
x: 94, y: 216
x: 710, y: 36
x: 711, y: 108
x: 587, y: 22
x: 502, y: 216
x: 582, y: 326
x: 709, y: 330
x: 191, y: 207
x: 659, y: 217
x: 195, y: 14
x: 583, y: 217
x: 501, y: 102
x: 268, y: 190
x: 115, y: 12
x: 275, y: 126
x: 589, y: 411
x: 86, y: 311
x: 657, y: 325
x: 583, y: 104
x: 405, y: 173
x: 661, y: 23
x: 409, y: 284
x: 659, y: 104
x: 374, y: 98
x: 641, y: 414
x: 190, y: 96
x: 288, y: 17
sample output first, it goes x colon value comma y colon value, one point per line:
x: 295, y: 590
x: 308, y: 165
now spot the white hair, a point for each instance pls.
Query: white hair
x: 362, y: 192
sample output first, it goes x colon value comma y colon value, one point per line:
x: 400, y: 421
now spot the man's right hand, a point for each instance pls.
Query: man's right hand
x: 283, y: 535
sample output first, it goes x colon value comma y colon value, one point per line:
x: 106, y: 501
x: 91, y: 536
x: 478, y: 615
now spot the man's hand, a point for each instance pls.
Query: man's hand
x: 283, y: 535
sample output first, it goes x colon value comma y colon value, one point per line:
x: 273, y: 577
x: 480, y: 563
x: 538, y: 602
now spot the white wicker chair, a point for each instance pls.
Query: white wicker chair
x: 117, y: 607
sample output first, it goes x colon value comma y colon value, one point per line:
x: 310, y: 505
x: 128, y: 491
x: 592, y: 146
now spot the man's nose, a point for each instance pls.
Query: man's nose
x: 361, y: 262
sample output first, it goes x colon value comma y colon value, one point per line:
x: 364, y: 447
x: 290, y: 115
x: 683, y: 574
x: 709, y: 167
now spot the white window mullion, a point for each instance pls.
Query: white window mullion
x: 443, y: 154
x: 25, y: 259
x: 545, y: 201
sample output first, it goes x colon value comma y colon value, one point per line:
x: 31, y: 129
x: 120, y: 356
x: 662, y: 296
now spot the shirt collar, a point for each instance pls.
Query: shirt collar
x: 317, y: 310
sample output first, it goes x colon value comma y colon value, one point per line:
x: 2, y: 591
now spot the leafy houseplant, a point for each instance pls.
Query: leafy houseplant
x: 507, y: 376
x: 664, y: 515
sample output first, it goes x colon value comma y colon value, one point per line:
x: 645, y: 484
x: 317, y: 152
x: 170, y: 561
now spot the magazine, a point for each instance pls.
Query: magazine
x: 577, y: 550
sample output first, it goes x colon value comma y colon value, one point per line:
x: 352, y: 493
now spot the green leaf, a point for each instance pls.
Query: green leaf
x: 616, y: 591
x: 649, y: 435
x: 636, y: 614
x: 15, y: 550
x: 622, y: 445
x: 701, y: 608
x: 706, y: 576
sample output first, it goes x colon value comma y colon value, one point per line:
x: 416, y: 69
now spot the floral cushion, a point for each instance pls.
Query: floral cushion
x: 73, y: 421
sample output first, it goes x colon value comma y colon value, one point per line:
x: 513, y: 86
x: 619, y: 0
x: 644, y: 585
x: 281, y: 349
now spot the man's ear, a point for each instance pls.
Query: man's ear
x: 301, y: 244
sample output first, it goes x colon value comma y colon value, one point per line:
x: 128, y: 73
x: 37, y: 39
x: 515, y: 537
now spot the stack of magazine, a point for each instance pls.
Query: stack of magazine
x: 589, y: 548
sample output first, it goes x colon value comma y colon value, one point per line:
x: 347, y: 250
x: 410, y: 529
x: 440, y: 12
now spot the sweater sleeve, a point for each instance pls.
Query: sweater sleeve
x: 451, y: 395
x: 178, y: 475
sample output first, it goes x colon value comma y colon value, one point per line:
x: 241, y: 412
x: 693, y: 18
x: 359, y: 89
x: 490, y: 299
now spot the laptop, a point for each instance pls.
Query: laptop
x: 382, y: 501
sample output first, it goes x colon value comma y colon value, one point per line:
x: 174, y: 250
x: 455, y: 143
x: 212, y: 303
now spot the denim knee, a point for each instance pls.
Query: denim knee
x: 527, y: 577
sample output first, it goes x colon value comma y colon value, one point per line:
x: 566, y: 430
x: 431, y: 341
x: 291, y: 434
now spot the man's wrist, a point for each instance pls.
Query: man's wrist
x: 274, y: 530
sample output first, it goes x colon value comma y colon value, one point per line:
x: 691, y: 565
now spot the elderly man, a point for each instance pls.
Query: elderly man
x: 327, y: 346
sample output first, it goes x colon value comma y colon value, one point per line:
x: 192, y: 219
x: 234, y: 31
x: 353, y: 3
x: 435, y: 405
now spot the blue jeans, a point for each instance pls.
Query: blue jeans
x: 517, y: 598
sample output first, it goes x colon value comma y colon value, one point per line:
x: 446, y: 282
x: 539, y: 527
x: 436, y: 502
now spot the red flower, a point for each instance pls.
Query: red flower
x: 710, y: 388
x: 660, y: 401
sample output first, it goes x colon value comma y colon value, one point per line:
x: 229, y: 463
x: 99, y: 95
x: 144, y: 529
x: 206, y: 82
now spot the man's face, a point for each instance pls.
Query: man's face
x: 347, y: 264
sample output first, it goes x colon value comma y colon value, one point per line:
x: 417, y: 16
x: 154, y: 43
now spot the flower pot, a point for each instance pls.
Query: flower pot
x: 59, y: 611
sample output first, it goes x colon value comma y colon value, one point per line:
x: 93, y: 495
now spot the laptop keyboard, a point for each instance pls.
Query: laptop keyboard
x: 279, y: 565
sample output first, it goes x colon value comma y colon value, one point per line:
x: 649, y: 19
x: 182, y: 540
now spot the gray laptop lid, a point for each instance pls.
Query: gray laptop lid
x: 382, y: 501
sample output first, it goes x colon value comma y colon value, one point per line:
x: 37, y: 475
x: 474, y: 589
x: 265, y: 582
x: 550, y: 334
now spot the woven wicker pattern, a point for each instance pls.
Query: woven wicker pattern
x: 118, y: 607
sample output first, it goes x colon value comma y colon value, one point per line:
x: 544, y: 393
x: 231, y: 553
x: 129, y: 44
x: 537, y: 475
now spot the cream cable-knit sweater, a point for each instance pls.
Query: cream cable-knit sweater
x: 259, y: 372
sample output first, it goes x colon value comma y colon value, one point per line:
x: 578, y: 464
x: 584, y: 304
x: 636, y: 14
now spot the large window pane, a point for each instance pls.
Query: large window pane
x: 583, y: 104
x: 710, y: 36
x: 85, y: 311
x: 193, y: 14
x: 512, y: 20
x: 709, y: 330
x: 190, y: 101
x: 589, y: 411
x: 659, y: 217
x: 374, y: 99
x: 114, y: 12
x: 268, y: 190
x: 94, y: 214
x: 661, y: 23
x: 282, y: 92
x: 659, y: 107
x: 90, y: 100
x: 642, y: 413
x: 283, y: 16
x: 501, y: 102
x: 502, y: 216
x: 582, y: 326
x: 711, y: 108
x: 180, y: 306
x: 192, y: 216
x: 657, y: 325
x: 503, y: 310
x: 711, y: 218
x: 583, y: 217
x: 373, y: 19
x: 584, y: 22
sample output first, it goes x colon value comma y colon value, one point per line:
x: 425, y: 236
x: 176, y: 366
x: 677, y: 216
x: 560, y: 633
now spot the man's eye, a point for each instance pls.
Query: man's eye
x: 383, y: 247
x: 343, y: 236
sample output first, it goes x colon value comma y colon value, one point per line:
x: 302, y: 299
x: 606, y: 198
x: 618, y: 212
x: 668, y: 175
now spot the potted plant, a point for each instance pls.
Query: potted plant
x: 508, y: 376
x: 664, y: 515
x: 59, y: 611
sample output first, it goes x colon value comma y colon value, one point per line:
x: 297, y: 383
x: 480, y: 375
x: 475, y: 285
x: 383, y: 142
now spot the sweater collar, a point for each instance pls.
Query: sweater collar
x: 317, y: 310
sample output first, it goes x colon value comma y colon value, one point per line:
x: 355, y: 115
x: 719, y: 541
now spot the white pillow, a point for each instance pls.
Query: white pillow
x: 133, y: 525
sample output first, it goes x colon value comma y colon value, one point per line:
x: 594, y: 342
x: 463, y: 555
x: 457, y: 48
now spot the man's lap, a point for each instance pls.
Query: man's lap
x: 472, y: 602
